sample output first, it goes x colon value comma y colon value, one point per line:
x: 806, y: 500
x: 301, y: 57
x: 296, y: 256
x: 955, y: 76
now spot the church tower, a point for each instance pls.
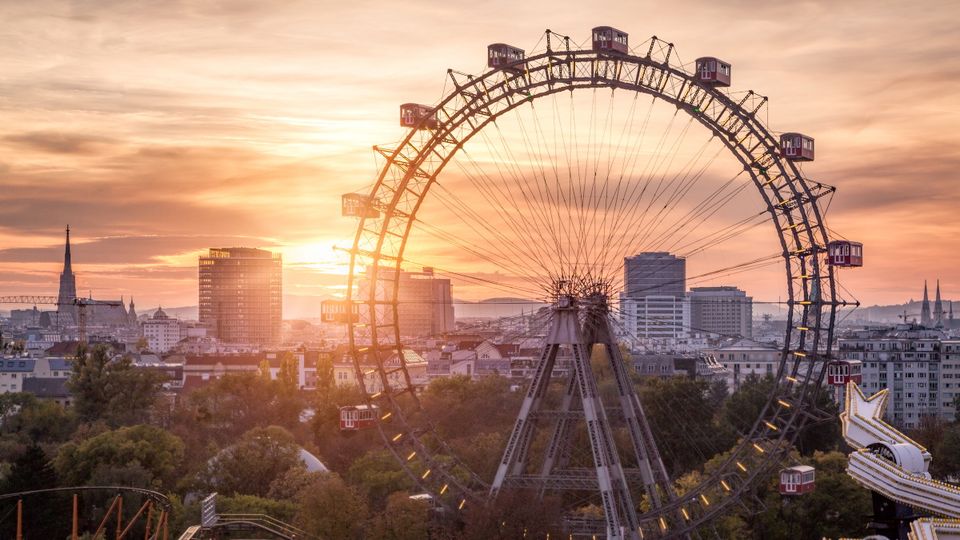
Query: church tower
x: 68, y: 288
x: 925, y: 318
x: 132, y: 314
x: 938, y: 308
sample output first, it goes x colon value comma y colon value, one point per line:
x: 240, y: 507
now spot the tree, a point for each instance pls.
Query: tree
x: 249, y: 467
x: 122, y: 450
x: 515, y: 514
x: 32, y: 470
x: 31, y: 419
x: 403, y: 519
x: 291, y: 484
x: 946, y: 454
x: 376, y: 474
x: 331, y: 509
x: 684, y: 420
x: 836, y: 508
x: 288, y: 377
x: 743, y: 408
x: 112, y: 390
x: 223, y: 410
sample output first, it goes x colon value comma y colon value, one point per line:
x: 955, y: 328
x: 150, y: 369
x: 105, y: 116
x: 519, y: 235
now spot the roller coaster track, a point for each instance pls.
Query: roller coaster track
x: 889, y: 463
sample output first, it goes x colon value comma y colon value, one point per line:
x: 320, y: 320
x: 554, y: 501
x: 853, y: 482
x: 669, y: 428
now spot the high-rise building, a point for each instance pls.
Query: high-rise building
x: 241, y: 295
x: 424, y: 301
x: 916, y: 365
x: 721, y: 311
x: 653, y: 304
x: 656, y: 273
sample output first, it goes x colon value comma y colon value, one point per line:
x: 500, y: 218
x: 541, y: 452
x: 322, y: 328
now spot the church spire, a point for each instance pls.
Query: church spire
x: 925, y: 318
x: 67, y: 267
x: 938, y: 308
x: 68, y: 285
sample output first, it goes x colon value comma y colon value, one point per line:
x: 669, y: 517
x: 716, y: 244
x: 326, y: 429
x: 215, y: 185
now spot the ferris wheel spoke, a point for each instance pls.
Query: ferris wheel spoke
x: 503, y: 250
x: 506, y: 207
x: 621, y: 229
x: 706, y: 208
x: 479, y: 252
x: 532, y: 237
x: 682, y: 186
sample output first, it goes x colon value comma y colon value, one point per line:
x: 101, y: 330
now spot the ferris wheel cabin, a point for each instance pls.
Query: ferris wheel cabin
x: 414, y: 115
x: 840, y: 372
x: 797, y: 480
x: 796, y: 146
x: 609, y: 39
x: 357, y: 205
x: 503, y: 56
x: 713, y: 71
x: 357, y: 417
x: 845, y: 254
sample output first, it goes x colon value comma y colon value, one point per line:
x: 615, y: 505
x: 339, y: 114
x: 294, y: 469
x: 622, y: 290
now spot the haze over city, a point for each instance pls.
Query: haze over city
x: 160, y: 129
x: 317, y: 270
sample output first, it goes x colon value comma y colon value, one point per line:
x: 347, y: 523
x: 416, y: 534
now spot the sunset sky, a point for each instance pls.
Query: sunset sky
x: 157, y: 129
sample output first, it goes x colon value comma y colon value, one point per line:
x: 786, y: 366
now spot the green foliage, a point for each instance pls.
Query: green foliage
x: 376, y: 475
x: 946, y: 454
x: 223, y: 410
x: 251, y: 504
x: 453, y: 404
x: 249, y: 467
x: 32, y: 470
x: 29, y: 419
x: 516, y: 514
x: 836, y: 508
x: 288, y: 376
x: 682, y: 415
x: 743, y: 408
x: 128, y: 452
x: 403, y: 519
x: 330, y: 508
x: 112, y: 390
x: 291, y: 484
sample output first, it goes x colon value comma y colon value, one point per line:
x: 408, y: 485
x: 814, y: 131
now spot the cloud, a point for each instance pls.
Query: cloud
x: 59, y: 142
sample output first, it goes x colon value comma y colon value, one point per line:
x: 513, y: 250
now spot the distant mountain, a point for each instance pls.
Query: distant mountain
x: 494, y: 307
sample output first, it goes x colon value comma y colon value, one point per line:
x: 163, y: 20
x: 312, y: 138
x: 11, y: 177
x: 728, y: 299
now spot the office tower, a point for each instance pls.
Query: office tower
x: 241, y: 295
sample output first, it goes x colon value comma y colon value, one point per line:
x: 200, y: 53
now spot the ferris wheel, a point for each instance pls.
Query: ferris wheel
x: 534, y: 180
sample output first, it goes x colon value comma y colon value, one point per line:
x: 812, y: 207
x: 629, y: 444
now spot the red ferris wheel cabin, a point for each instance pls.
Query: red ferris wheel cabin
x: 414, y: 115
x: 797, y: 480
x: 796, y: 146
x: 609, y: 39
x: 357, y: 417
x: 845, y: 253
x: 840, y: 372
x: 713, y: 71
x: 503, y: 56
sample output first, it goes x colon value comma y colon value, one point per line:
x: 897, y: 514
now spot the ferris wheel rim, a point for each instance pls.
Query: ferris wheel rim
x: 802, y: 193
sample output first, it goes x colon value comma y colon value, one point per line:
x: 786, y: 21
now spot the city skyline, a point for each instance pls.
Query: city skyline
x: 199, y: 148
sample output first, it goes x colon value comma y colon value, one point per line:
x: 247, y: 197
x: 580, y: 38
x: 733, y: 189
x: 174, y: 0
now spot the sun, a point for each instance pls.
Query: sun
x: 322, y: 256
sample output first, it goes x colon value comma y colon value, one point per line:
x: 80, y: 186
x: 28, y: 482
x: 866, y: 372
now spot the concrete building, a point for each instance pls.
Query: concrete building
x: 14, y: 371
x: 425, y: 302
x: 919, y: 367
x: 161, y: 332
x: 654, y: 305
x: 746, y: 357
x: 721, y: 312
x: 241, y: 295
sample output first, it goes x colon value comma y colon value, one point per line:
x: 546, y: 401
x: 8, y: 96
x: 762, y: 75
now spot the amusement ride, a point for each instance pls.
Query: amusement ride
x: 543, y: 172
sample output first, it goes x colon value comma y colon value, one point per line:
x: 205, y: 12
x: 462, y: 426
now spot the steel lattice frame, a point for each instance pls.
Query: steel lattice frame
x: 475, y: 101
